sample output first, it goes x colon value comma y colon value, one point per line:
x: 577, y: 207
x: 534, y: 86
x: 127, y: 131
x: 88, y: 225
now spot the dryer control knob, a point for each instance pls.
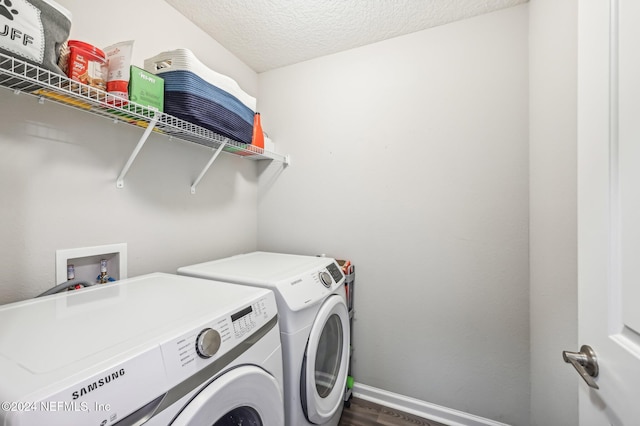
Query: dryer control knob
x: 325, y: 279
x: 208, y: 343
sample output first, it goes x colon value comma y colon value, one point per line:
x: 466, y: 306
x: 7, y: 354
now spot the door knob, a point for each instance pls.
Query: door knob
x: 585, y: 362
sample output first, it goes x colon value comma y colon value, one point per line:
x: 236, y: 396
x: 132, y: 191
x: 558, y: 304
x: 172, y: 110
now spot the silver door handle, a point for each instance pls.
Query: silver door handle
x: 585, y: 362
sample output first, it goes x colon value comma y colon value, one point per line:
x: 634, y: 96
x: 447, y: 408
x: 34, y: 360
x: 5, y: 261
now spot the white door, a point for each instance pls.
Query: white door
x: 609, y: 208
x: 326, y: 361
x: 245, y: 395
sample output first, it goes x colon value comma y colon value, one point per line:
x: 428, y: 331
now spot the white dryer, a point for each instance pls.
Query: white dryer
x: 158, y: 349
x: 314, y: 326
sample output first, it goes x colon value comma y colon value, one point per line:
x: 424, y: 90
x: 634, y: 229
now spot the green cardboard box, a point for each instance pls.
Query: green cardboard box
x: 146, y: 89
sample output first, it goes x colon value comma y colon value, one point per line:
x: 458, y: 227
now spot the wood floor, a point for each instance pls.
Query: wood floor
x: 365, y: 413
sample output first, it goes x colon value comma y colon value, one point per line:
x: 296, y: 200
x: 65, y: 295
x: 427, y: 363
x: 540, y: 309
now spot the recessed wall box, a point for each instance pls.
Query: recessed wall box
x: 86, y: 262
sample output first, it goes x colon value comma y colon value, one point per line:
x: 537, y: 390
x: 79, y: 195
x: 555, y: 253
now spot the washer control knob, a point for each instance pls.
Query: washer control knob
x: 325, y: 279
x: 208, y: 343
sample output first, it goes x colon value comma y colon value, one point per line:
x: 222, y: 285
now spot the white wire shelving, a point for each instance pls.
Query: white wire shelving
x: 22, y: 77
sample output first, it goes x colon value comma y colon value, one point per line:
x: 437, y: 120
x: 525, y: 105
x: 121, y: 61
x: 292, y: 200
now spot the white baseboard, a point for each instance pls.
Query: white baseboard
x: 420, y: 408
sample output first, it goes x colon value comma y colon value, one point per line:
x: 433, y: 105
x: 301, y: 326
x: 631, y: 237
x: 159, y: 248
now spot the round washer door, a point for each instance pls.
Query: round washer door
x: 326, y: 360
x: 246, y: 395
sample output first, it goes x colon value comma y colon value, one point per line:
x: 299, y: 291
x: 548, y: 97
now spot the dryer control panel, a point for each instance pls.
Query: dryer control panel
x: 309, y: 288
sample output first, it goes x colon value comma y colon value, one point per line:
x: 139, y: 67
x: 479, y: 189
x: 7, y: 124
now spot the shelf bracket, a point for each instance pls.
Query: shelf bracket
x: 134, y: 154
x: 202, y: 173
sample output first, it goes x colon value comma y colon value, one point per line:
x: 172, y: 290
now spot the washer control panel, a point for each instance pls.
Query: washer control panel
x: 196, y: 349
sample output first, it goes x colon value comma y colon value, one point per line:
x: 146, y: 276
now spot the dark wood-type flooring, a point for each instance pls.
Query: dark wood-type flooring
x: 365, y: 413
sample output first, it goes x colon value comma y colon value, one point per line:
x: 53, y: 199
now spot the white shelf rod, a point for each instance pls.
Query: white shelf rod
x: 202, y: 173
x: 134, y: 154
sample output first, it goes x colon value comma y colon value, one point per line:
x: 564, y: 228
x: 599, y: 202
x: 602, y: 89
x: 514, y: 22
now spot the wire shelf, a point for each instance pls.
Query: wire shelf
x: 22, y: 77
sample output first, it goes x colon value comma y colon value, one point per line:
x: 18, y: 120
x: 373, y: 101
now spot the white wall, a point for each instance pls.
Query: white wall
x: 553, y: 199
x: 58, y: 170
x: 410, y: 157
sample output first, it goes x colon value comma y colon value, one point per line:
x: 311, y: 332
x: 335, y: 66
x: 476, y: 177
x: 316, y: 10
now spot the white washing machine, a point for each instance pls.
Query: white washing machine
x: 314, y: 326
x: 158, y: 349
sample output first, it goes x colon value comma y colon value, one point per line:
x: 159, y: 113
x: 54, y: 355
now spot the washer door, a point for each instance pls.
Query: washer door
x: 246, y: 395
x: 324, y: 369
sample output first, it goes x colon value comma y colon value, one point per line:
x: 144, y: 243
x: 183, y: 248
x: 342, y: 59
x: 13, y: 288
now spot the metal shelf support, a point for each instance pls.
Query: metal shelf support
x: 202, y: 173
x: 136, y: 151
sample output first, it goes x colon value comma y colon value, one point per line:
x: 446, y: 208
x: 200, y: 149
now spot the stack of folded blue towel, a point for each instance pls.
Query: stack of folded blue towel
x: 199, y: 95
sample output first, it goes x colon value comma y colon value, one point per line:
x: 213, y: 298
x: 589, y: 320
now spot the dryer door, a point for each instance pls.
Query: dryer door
x: 246, y: 395
x: 324, y: 369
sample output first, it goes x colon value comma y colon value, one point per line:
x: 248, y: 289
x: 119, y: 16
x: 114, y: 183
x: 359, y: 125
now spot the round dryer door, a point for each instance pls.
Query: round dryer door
x: 245, y: 395
x: 324, y: 370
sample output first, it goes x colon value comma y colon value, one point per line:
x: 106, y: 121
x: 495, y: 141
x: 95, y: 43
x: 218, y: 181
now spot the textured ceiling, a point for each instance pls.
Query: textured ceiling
x: 268, y: 34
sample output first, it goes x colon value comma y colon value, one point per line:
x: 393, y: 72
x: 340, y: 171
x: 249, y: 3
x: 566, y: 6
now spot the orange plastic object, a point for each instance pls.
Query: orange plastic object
x: 258, y: 137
